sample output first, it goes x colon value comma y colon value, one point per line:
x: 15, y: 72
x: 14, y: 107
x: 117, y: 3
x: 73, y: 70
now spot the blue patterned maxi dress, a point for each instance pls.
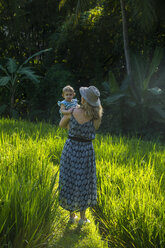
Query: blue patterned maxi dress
x: 77, y: 180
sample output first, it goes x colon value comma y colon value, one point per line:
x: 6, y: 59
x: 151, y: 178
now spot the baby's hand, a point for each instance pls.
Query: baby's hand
x: 71, y: 110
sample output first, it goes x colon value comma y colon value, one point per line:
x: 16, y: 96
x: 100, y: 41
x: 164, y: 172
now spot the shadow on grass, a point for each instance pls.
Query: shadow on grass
x: 72, y: 234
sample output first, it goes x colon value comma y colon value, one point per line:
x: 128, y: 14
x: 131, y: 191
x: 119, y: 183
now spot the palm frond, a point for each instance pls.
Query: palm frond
x: 113, y: 82
x: 145, y: 12
x: 34, y: 55
x: 4, y: 80
x: 11, y: 65
x: 157, y: 56
x: 62, y: 3
x: 30, y: 74
x: 114, y: 98
x: 139, y: 70
x: 80, y: 5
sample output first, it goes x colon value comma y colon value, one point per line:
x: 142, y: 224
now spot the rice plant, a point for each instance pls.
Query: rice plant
x: 130, y: 179
x: 28, y: 183
x: 131, y: 206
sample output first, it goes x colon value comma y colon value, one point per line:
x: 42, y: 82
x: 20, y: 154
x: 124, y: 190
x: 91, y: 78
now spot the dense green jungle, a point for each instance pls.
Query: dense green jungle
x: 118, y: 46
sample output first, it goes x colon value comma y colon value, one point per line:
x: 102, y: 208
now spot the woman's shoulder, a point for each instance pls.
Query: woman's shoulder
x: 80, y: 116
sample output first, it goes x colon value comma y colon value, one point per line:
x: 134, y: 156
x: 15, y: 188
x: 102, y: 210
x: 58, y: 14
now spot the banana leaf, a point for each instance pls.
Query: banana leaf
x: 11, y: 65
x: 113, y: 99
x: 4, y: 80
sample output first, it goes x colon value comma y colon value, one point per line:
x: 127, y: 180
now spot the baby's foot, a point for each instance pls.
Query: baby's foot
x: 83, y: 221
x: 72, y: 219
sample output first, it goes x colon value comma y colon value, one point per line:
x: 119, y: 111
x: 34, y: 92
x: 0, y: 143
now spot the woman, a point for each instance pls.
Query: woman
x: 77, y: 181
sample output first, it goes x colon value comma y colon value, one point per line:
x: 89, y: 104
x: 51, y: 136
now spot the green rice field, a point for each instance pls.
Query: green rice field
x: 131, y: 183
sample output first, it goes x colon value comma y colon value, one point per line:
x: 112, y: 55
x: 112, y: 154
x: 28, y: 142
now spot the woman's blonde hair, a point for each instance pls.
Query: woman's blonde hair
x: 91, y: 112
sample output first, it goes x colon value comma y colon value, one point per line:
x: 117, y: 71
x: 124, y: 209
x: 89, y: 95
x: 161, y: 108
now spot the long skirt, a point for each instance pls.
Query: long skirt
x: 77, y: 180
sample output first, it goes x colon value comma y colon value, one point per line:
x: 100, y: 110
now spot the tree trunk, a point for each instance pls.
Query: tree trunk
x: 12, y: 99
x: 125, y: 38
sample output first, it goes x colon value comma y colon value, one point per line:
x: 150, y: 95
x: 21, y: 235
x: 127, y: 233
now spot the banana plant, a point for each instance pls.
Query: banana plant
x: 135, y: 89
x: 13, y: 74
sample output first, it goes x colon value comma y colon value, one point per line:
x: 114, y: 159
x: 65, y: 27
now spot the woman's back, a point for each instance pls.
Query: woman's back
x: 80, y: 126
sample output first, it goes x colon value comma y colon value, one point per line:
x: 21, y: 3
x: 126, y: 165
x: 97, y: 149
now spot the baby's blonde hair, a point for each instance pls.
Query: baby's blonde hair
x: 68, y: 88
x: 91, y: 112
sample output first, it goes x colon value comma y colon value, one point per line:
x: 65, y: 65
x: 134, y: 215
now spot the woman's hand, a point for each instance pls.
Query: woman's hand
x: 64, y: 123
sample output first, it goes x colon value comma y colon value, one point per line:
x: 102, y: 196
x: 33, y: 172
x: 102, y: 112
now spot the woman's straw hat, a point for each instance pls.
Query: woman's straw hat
x: 91, y: 95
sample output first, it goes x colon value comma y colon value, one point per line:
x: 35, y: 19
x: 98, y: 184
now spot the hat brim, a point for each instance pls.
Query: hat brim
x: 83, y: 94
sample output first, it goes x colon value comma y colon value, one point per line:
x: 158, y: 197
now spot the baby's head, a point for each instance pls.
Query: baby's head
x: 68, y: 93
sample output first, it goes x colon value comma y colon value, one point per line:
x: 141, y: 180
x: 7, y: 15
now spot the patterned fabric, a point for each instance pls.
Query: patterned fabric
x: 67, y: 104
x: 77, y: 180
x: 85, y: 131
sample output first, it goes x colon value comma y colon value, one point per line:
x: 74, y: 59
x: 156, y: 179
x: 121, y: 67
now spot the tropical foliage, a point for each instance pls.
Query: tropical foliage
x: 137, y: 94
x: 90, y: 39
x: 13, y: 76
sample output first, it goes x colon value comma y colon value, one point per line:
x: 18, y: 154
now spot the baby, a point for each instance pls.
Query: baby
x: 68, y: 104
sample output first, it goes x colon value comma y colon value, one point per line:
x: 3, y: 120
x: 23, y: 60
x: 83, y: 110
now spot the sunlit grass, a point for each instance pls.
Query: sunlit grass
x: 130, y: 177
x: 28, y: 196
x: 131, y: 185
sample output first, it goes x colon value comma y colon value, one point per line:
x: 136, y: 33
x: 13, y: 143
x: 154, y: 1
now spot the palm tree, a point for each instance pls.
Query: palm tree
x: 143, y: 8
x: 125, y: 38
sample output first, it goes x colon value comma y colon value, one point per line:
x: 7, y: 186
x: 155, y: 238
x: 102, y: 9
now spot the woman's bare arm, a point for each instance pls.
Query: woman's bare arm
x: 65, y: 121
x: 64, y: 111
